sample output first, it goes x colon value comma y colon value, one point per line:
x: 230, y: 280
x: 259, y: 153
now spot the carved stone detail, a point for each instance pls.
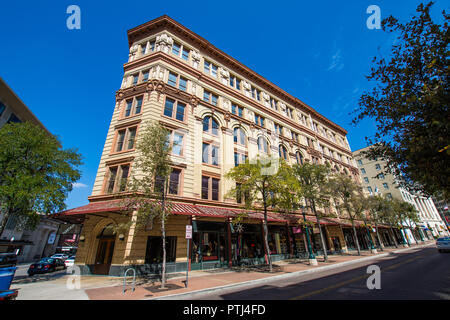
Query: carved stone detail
x: 195, y: 55
x: 224, y: 75
x: 163, y: 43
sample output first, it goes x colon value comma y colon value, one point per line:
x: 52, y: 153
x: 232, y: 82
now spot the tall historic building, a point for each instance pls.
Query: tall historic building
x: 376, y: 181
x: 219, y: 113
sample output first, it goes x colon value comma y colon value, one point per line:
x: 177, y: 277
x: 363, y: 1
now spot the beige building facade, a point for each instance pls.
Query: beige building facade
x: 220, y: 113
x: 375, y: 181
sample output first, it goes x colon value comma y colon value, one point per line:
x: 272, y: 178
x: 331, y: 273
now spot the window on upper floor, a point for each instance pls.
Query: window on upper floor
x: 13, y: 119
x: 386, y: 186
x: 237, y: 110
x: 263, y: 146
x: 289, y: 112
x: 174, y: 109
x: 177, y: 81
x: 133, y: 106
x: 278, y: 129
x: 210, y: 154
x: 235, y: 82
x: 135, y: 78
x: 360, y: 162
x: 176, y: 140
x: 210, y: 188
x: 377, y: 166
x: 299, y: 157
x: 259, y: 120
x: 363, y: 171
x: 294, y: 136
x: 381, y: 176
x: 143, y: 47
x: 175, y: 181
x: 2, y: 108
x: 210, y: 68
x: 180, y: 51
x: 389, y: 196
x: 239, y: 136
x: 256, y: 94
x: 210, y: 97
x: 210, y: 125
x: 145, y: 75
x: 239, y: 158
x: 273, y: 104
x: 116, y: 179
x: 282, y: 152
x: 125, y: 139
x: 370, y: 190
x: 366, y: 180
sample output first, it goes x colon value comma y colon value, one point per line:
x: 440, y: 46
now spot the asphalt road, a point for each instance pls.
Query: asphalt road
x: 421, y: 273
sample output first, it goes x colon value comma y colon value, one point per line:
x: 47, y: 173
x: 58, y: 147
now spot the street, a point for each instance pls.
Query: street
x: 421, y: 273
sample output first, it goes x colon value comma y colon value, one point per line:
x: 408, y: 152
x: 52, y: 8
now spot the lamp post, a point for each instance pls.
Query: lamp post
x: 312, y: 259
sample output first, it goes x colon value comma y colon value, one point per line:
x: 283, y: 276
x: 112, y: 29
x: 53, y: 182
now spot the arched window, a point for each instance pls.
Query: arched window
x: 282, y: 152
x: 299, y: 157
x: 210, y: 125
x: 239, y: 136
x: 262, y: 145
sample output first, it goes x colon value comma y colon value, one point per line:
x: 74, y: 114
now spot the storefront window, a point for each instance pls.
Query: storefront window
x: 278, y: 242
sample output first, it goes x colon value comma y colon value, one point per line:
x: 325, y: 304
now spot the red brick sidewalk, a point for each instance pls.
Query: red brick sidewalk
x: 200, y: 280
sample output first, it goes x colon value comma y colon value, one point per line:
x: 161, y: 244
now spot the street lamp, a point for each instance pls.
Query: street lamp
x: 312, y: 258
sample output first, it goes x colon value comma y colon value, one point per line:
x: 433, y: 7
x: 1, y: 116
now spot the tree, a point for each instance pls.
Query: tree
x: 36, y: 174
x: 148, y: 191
x: 410, y: 103
x: 408, y: 215
x: 360, y: 204
x: 397, y: 208
x: 376, y: 206
x: 312, y: 178
x: 257, y: 179
x: 345, y: 189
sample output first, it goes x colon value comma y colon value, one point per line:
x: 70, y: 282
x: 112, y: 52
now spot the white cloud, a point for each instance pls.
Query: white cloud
x: 336, y: 61
x: 79, y: 185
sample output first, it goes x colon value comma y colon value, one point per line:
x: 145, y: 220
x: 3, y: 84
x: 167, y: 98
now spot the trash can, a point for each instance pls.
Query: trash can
x: 6, y: 277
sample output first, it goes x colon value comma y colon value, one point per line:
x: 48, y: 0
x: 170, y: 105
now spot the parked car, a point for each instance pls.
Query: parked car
x: 443, y: 244
x: 69, y: 261
x: 46, y: 265
x: 8, y: 260
x: 61, y: 256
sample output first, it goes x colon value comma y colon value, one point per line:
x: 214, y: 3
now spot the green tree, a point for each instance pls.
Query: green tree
x: 345, y: 189
x: 410, y: 103
x: 360, y: 205
x: 376, y: 207
x: 312, y: 180
x: 148, y: 187
x: 36, y: 174
x: 408, y: 215
x: 258, y: 180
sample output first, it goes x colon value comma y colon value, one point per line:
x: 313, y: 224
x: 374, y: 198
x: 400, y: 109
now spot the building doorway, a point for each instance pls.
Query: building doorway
x: 105, y: 250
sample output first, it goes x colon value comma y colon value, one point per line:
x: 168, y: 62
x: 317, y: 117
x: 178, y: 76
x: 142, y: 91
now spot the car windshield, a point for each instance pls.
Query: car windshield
x: 47, y: 260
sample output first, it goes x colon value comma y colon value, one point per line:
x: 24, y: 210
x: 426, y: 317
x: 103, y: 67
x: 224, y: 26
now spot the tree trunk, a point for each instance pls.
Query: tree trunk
x: 266, y: 239
x: 393, y: 237
x: 324, y: 247
x: 356, y: 237
x: 163, y: 235
x: 378, y: 237
x: 3, y: 222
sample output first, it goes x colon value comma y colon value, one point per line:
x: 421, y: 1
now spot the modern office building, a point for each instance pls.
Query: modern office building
x: 375, y: 180
x: 28, y: 244
x: 219, y: 113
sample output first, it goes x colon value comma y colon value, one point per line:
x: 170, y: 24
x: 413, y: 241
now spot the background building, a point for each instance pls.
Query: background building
x: 28, y: 244
x: 375, y: 181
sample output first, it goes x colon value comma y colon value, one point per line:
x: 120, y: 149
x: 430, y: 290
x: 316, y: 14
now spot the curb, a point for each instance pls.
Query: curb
x: 289, y: 275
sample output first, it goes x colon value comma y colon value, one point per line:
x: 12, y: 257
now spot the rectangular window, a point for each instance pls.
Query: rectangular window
x: 363, y: 171
x: 381, y: 176
x: 135, y: 78
x: 152, y: 46
x: 377, y: 166
x: 120, y: 140
x: 145, y: 76
x: 210, y: 154
x: 143, y: 47
x: 118, y: 177
x: 235, y: 109
x: 369, y: 189
x: 210, y: 97
x: 133, y: 106
x: 366, y: 180
x: 183, y: 84
x: 172, y: 79
x: 210, y: 68
x: 215, y: 189
x: 174, y: 181
x: 215, y: 156
x: 214, y: 71
x: 239, y: 158
x: 205, y: 154
x: 259, y: 120
x: 360, y: 162
x: 131, y: 138
x: 205, y: 187
x: 385, y: 185
x: 207, y: 67
x: 185, y: 55
x: 169, y: 109
x: 154, y: 252
x: 176, y: 49
x: 177, y: 145
x: 210, y: 188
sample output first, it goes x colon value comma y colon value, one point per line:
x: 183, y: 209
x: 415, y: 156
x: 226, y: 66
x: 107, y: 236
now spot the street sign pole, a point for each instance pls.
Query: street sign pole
x: 188, y: 238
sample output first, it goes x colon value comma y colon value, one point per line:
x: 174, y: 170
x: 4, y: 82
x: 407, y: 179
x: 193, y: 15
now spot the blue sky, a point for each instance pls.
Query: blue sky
x: 68, y: 78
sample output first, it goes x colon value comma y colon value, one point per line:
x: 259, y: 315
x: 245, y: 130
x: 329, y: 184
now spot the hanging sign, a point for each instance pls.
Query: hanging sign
x: 188, y: 231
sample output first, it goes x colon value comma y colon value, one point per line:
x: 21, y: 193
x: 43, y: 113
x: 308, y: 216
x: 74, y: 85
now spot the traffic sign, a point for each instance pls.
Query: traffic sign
x: 188, y: 231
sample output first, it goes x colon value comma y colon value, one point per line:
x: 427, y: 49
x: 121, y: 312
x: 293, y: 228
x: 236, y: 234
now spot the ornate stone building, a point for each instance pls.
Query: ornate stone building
x: 219, y: 113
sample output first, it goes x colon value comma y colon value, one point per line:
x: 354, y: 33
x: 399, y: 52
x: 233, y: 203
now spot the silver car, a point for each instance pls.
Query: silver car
x: 443, y: 244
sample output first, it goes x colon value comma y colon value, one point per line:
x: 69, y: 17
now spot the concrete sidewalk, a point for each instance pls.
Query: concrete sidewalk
x: 211, y: 280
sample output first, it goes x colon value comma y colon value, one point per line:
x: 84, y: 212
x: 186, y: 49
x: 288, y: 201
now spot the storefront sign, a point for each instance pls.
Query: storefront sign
x: 188, y: 231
